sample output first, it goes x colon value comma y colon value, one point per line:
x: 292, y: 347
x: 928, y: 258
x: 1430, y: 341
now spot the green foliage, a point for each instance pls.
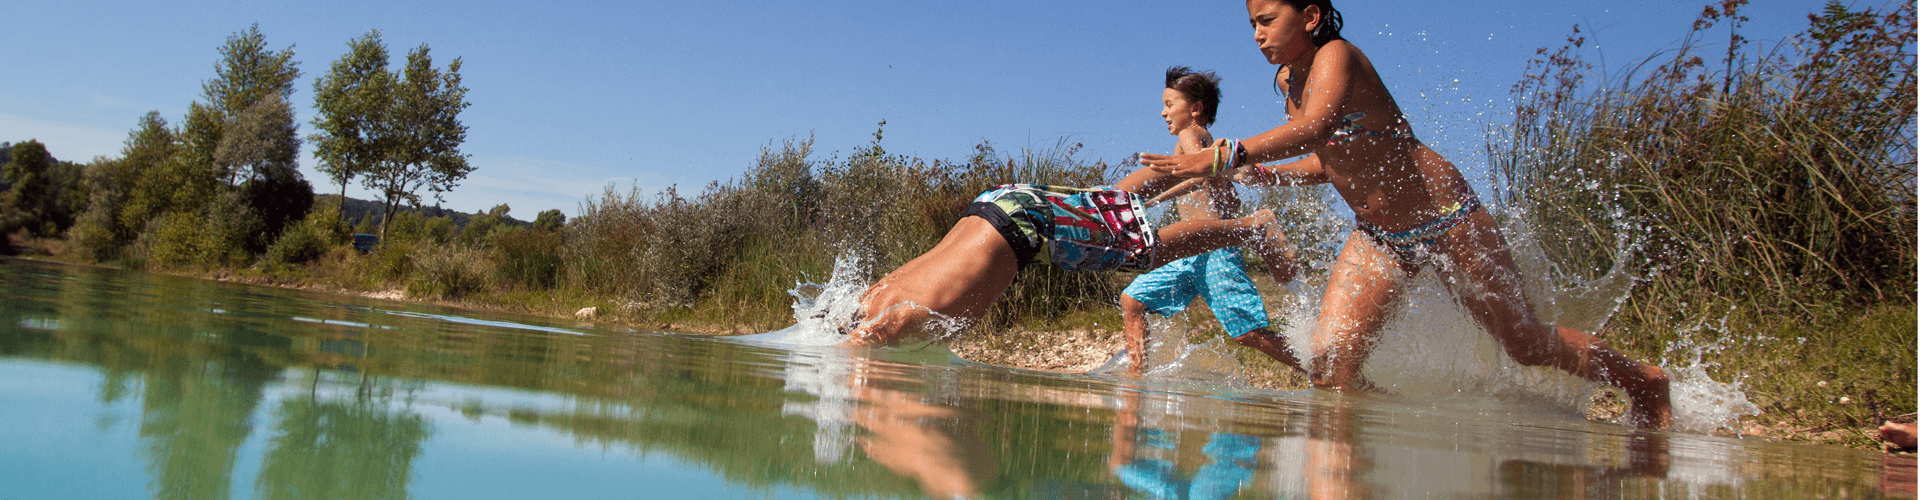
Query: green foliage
x: 249, y: 74
x: 398, y: 134
x: 171, y: 240
x: 351, y: 103
x: 737, y: 247
x: 528, y: 257
x: 483, y: 227
x: 550, y: 219
x: 1787, y: 179
x: 447, y: 271
x: 321, y: 231
x: 393, y: 260
x: 30, y: 200
x: 111, y: 219
x: 1771, y: 193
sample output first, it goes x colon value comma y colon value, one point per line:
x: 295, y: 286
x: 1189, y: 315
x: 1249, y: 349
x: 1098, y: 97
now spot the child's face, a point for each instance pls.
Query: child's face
x: 1178, y: 111
x: 1282, y: 31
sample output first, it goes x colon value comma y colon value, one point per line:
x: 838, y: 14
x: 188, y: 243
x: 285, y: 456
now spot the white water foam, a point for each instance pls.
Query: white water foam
x: 823, y: 313
x: 1430, y: 348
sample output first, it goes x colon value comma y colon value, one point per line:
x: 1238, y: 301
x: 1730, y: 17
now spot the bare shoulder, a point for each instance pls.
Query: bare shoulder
x: 1193, y: 140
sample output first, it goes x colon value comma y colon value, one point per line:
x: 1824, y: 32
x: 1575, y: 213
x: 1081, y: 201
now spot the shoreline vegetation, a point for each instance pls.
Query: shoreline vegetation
x: 1764, y: 195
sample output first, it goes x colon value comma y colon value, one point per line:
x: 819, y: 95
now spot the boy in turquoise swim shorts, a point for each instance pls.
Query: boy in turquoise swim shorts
x: 1220, y: 276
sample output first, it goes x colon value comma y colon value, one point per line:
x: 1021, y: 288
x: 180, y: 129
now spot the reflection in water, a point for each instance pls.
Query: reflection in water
x: 194, y: 418
x: 240, y: 391
x: 914, y: 434
x: 1230, y: 459
x: 352, y: 449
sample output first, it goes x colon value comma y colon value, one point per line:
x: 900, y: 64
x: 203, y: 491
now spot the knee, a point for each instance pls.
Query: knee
x: 1530, y: 353
x: 1131, y: 306
x: 1554, y: 346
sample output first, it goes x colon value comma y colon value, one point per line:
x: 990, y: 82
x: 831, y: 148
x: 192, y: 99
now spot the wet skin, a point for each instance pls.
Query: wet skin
x: 973, y: 265
x: 1396, y: 184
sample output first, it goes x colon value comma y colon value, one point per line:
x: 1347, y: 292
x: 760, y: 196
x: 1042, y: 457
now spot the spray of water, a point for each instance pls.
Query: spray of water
x: 823, y: 313
x: 1431, y: 348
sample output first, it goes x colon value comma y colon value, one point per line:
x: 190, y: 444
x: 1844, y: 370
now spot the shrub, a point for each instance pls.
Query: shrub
x: 312, y: 237
x: 447, y: 272
x: 1785, y: 177
x: 528, y: 257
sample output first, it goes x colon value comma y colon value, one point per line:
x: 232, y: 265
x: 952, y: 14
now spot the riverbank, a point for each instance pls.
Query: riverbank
x: 1087, y: 339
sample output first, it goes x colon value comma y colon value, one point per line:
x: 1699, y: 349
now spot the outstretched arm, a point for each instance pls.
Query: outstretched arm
x: 1305, y: 171
x: 1329, y: 85
x: 1184, y: 187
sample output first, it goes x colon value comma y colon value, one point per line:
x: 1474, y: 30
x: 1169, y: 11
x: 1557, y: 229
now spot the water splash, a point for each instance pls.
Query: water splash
x: 1709, y: 404
x: 824, y: 312
x: 1432, y: 348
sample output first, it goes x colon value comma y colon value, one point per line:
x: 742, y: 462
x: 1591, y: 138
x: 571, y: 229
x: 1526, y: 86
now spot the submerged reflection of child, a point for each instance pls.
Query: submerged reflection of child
x: 1414, y: 211
x: 1188, y: 105
x: 1231, y: 459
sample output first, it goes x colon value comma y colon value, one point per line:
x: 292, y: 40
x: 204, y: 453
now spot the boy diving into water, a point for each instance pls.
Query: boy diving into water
x: 1010, y: 226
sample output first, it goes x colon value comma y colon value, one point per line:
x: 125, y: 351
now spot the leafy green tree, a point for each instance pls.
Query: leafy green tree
x: 259, y: 151
x: 427, y: 133
x: 481, y: 227
x: 352, y: 101
x: 29, y: 199
x: 248, y: 74
x: 109, y: 221
x: 550, y: 219
x: 257, y: 148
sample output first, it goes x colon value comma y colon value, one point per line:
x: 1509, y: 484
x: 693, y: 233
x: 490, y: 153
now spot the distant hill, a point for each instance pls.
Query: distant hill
x: 356, y: 209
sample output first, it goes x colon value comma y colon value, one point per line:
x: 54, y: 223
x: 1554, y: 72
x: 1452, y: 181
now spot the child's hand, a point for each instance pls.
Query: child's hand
x: 1252, y: 175
x: 1189, y: 165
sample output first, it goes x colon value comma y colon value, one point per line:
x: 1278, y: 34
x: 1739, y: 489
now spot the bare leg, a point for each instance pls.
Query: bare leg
x: 1366, y: 281
x: 1271, y: 344
x: 1477, y: 265
x: 1134, y: 314
x: 1194, y: 237
x: 1277, y: 253
x: 960, y: 277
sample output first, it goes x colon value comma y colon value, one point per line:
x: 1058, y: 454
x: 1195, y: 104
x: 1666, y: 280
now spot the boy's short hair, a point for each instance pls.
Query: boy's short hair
x: 1201, y: 86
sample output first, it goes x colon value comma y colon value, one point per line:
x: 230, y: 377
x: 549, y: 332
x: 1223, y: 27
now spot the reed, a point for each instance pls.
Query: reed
x: 1769, y: 189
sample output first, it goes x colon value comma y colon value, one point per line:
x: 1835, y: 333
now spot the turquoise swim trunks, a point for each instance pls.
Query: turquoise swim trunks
x: 1220, y: 276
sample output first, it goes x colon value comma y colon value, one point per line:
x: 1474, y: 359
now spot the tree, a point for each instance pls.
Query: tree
x: 353, y: 99
x: 550, y: 219
x: 427, y: 133
x: 248, y: 74
x: 26, y: 203
x: 258, y: 152
x: 256, y: 147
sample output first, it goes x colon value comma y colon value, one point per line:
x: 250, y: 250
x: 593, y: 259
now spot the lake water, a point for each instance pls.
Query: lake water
x: 117, y: 384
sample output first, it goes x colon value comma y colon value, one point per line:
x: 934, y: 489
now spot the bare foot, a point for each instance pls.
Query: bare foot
x: 1652, y: 406
x: 1897, y: 435
x: 1272, y: 246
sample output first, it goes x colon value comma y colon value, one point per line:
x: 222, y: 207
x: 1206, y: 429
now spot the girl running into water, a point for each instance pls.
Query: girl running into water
x: 1415, y: 211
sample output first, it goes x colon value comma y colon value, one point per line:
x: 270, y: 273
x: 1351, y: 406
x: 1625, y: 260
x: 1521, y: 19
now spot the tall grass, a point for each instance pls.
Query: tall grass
x: 731, y: 252
x: 1769, y: 188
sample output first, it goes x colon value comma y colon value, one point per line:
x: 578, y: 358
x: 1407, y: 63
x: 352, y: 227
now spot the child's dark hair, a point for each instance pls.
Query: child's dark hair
x: 1201, y: 86
x: 1329, y: 29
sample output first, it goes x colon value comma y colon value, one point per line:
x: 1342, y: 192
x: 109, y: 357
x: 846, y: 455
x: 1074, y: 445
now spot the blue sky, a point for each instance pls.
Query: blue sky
x: 568, y: 97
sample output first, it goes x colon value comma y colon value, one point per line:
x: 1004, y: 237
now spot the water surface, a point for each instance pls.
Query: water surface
x: 117, y: 384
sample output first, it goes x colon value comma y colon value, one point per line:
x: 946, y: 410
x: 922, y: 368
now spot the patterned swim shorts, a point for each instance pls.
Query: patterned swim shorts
x: 1077, y: 229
